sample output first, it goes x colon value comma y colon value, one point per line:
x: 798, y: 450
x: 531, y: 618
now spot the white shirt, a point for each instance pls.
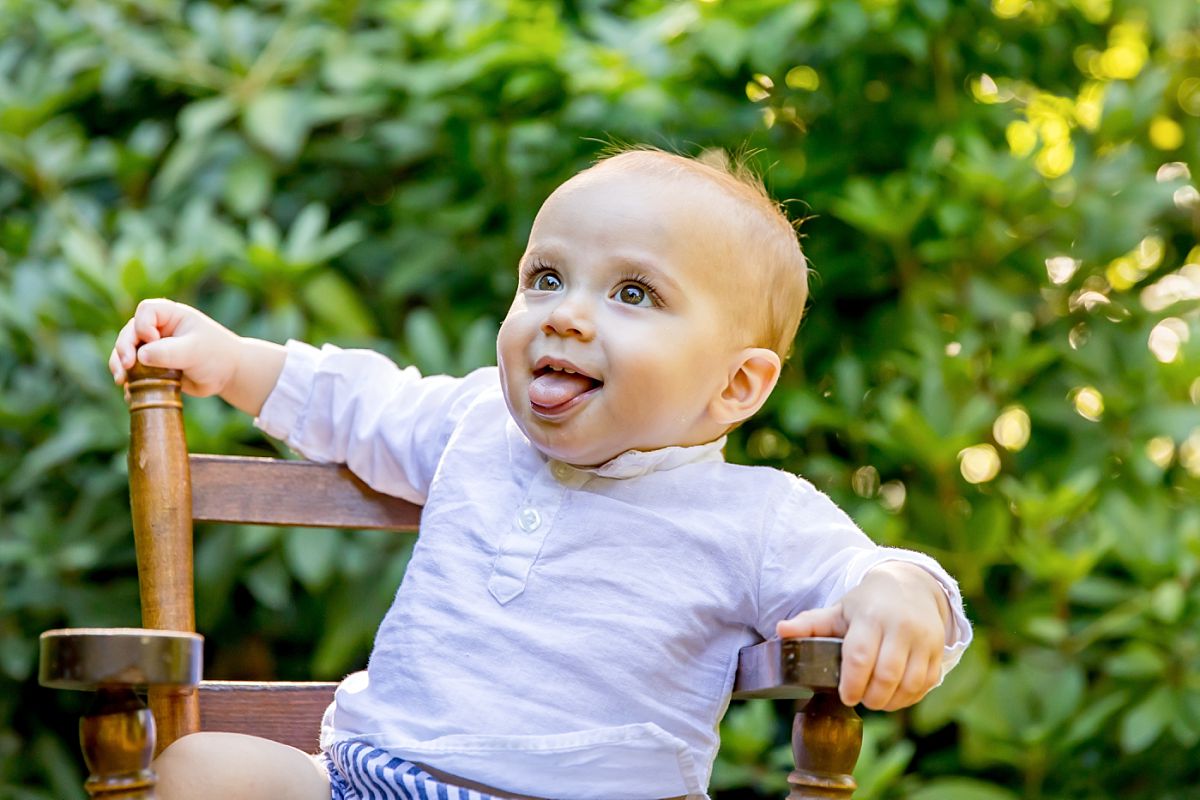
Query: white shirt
x: 562, y: 632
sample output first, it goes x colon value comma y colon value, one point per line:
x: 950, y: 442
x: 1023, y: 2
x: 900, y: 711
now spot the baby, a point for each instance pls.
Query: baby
x: 588, y: 565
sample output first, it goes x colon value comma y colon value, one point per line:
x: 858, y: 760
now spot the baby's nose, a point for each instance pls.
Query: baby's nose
x: 569, y: 317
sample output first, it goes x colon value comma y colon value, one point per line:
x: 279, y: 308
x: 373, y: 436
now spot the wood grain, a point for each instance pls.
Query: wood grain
x: 161, y: 500
x: 286, y: 712
x: 270, y: 491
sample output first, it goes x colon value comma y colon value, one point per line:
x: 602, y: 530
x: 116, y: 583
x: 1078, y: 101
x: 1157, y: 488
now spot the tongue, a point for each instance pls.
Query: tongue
x: 556, y: 388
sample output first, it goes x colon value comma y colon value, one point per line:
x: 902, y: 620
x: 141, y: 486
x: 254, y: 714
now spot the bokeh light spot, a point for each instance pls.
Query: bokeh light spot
x: 1088, y: 300
x: 1061, y: 268
x: 1055, y: 160
x: 979, y: 463
x: 1188, y: 96
x: 1127, y: 51
x: 1161, y: 450
x: 760, y: 88
x: 1166, y: 133
x: 865, y: 481
x: 768, y: 444
x: 1186, y: 197
x: 985, y: 89
x: 1089, y: 403
x: 1167, y: 338
x: 1008, y: 9
x: 1022, y: 138
x: 1094, y: 11
x: 803, y: 77
x: 1175, y: 287
x: 1089, y: 105
x: 1173, y: 171
x: 1078, y: 336
x: 1012, y: 428
x: 1189, y: 453
x: 892, y: 495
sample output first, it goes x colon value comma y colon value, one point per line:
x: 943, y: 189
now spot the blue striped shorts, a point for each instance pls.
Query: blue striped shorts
x: 358, y: 771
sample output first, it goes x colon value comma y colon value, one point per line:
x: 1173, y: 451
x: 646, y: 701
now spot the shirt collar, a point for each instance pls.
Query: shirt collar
x: 630, y: 464
x: 635, y: 463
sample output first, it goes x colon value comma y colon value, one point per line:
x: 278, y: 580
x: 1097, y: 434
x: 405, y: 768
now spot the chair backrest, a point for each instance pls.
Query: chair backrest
x: 170, y: 489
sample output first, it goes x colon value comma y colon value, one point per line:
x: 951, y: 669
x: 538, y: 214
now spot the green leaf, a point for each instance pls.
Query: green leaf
x: 248, y: 185
x: 478, y: 347
x: 276, y: 119
x: 181, y: 164
x: 725, y: 43
x: 424, y: 336
x: 199, y: 119
x: 269, y: 583
x: 1145, y: 722
x: 310, y: 555
x: 1095, y: 717
x: 338, y: 306
x: 306, y: 230
x: 1167, y: 601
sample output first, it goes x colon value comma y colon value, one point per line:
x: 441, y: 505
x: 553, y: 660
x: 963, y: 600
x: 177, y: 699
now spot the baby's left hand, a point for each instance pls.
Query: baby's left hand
x: 894, y: 627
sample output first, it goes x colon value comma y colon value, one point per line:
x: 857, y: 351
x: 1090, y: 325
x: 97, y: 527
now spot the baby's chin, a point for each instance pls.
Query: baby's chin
x: 561, y: 445
x: 563, y: 448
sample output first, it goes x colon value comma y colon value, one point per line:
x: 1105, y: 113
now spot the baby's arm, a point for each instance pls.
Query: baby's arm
x: 895, y: 624
x: 213, y: 359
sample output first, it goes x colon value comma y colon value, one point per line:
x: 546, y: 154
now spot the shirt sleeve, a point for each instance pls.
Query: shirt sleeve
x: 356, y: 407
x: 814, y: 554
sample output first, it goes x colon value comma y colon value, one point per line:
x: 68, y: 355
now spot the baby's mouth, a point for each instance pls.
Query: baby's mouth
x: 555, y: 388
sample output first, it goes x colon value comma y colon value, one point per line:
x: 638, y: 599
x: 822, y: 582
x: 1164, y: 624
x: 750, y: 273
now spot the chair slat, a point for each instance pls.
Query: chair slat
x: 270, y: 491
x: 286, y: 712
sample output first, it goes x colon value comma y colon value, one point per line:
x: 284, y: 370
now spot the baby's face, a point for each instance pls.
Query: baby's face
x: 618, y: 337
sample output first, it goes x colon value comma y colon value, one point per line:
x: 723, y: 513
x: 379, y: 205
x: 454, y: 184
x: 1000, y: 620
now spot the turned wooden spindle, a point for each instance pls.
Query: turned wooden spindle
x: 160, y: 495
x: 826, y: 735
x: 117, y: 739
x: 117, y: 734
x: 826, y: 739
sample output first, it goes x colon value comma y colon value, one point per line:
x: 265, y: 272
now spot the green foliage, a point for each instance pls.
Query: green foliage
x: 998, y: 366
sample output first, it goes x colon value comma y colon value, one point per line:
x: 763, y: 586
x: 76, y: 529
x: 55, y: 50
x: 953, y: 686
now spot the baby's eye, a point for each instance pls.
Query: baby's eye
x: 547, y: 282
x: 633, y: 294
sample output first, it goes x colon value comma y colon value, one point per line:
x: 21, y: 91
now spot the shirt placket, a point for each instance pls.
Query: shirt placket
x: 529, y: 525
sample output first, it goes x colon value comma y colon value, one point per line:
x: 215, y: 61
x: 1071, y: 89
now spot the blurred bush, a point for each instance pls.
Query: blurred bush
x: 999, y: 366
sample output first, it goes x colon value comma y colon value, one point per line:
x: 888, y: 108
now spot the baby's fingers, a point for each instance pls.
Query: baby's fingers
x: 115, y: 367
x: 860, y: 651
x: 814, y: 622
x: 896, y: 677
x: 920, y: 675
x: 155, y: 319
x: 170, y: 353
x: 124, y: 352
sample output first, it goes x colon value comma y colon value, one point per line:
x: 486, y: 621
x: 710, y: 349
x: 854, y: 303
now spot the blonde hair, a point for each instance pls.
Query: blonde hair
x: 766, y: 239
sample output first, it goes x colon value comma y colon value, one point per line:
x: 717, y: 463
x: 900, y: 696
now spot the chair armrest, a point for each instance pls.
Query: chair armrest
x: 826, y: 735
x: 788, y: 668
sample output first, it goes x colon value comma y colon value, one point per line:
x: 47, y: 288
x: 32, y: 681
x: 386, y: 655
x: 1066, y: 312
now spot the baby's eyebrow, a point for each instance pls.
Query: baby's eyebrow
x: 650, y: 268
x: 537, y: 254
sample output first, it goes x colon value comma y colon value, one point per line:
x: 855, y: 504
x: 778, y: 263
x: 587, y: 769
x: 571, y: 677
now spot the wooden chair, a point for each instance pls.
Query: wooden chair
x: 170, y: 489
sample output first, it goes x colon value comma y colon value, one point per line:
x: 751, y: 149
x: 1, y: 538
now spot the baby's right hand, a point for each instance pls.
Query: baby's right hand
x: 175, y: 336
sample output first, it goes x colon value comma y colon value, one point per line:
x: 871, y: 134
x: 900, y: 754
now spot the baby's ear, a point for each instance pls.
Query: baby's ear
x: 750, y: 381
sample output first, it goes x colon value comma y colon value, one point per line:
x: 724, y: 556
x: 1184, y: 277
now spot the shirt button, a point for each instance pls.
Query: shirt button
x: 529, y: 519
x: 561, y: 470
